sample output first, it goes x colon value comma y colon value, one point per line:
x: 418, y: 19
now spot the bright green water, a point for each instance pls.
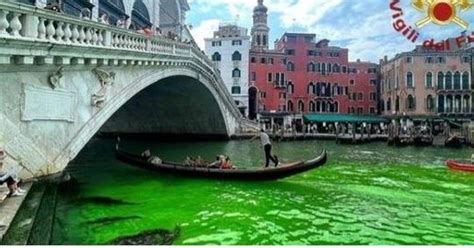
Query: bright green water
x: 367, y: 194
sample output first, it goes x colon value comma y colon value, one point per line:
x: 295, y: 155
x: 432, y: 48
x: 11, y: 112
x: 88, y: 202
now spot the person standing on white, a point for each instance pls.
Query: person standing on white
x: 267, y: 146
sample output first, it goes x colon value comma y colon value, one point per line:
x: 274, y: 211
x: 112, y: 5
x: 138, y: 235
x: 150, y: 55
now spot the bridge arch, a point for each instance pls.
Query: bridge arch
x: 181, y: 82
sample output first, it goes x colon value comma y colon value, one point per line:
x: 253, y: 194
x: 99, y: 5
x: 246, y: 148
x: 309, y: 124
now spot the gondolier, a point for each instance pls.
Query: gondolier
x: 267, y: 146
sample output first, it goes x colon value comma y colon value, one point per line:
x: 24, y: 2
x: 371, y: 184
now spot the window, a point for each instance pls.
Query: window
x: 237, y: 43
x: 373, y: 96
x: 291, y: 107
x: 352, y: 81
x: 301, y: 106
x: 216, y: 43
x: 465, y: 81
x: 409, y: 60
x: 312, y: 107
x: 216, y: 56
x: 263, y: 61
x: 372, y: 110
x: 263, y: 94
x: 373, y: 82
x: 253, y: 76
x: 236, y: 89
x: 361, y: 96
x: 311, y: 67
x: 430, y: 106
x: 270, y: 77
x: 372, y: 70
x: 440, y: 81
x: 429, y: 80
x: 270, y: 61
x: 448, y: 81
x: 311, y: 88
x: 253, y: 60
x: 457, y: 80
x: 429, y: 60
x: 389, y: 104
x: 344, y: 69
x: 282, y: 95
x: 410, y: 103
x: 290, y: 52
x: 360, y: 110
x: 465, y: 60
x: 441, y: 60
x: 336, y: 68
x: 291, y: 88
x: 290, y: 66
x: 236, y: 73
x: 236, y: 56
x: 409, y: 82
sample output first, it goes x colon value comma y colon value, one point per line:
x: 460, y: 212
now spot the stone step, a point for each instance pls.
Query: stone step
x: 43, y: 224
x: 22, y: 216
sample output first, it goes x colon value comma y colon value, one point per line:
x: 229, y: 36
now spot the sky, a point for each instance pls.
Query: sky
x: 363, y: 26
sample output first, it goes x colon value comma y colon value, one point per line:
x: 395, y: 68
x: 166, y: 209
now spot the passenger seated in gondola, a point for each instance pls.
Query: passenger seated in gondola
x: 227, y: 165
x: 151, y: 159
x: 217, y: 163
x: 201, y: 162
x: 190, y: 162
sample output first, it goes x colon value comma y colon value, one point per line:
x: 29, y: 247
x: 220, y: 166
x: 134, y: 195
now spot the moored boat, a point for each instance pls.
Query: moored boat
x: 461, y: 166
x: 246, y: 174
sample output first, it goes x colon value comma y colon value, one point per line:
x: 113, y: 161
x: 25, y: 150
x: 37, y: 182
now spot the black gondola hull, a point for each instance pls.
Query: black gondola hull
x: 235, y: 174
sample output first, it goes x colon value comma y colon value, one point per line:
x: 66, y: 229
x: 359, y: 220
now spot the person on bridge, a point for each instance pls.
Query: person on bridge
x: 267, y: 146
x: 9, y: 178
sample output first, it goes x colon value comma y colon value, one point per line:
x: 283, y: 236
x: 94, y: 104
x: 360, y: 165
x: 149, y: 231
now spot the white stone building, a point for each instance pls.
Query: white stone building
x: 229, y: 49
x: 168, y: 15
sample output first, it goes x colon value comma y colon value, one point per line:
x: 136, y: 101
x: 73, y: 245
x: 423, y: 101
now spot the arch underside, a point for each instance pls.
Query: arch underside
x: 176, y: 105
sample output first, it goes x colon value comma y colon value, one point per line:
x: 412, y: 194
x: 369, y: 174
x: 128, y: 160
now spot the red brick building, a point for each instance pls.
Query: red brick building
x: 303, y: 75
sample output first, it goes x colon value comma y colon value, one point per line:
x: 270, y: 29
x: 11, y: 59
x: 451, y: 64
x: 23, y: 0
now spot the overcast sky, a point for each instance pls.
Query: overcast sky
x: 363, y: 26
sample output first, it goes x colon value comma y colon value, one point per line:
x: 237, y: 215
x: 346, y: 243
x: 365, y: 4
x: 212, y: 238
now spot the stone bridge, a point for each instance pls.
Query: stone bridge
x: 62, y: 80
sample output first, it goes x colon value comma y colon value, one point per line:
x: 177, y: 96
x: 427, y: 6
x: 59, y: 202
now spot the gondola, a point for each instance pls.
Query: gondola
x: 460, y: 166
x: 258, y: 174
x: 453, y: 142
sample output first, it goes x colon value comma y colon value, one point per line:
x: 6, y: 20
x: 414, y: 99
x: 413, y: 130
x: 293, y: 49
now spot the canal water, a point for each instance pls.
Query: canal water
x: 367, y: 194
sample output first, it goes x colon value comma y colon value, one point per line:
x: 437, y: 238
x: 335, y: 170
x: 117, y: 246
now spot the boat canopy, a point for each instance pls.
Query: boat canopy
x: 341, y: 118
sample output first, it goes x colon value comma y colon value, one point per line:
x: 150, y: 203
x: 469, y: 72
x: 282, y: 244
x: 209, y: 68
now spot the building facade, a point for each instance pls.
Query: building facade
x: 229, y: 49
x: 303, y: 75
x: 428, y: 83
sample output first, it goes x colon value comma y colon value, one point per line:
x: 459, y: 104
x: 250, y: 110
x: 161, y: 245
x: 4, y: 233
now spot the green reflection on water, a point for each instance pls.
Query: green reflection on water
x: 367, y: 194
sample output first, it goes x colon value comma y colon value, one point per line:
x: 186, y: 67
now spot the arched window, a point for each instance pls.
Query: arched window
x: 441, y: 104
x: 467, y: 104
x: 410, y: 83
x: 411, y: 103
x: 291, y: 107
x: 318, y: 89
x: 291, y: 88
x: 465, y: 81
x: 429, y: 80
x: 300, y: 106
x: 336, y: 68
x: 336, y: 107
x: 448, y: 81
x: 318, y: 67
x: 236, y: 56
x: 430, y: 104
x: 290, y: 66
x: 323, y: 107
x: 323, y: 68
x: 140, y: 15
x: 312, y: 107
x: 329, y: 68
x: 258, y: 40
x: 236, y: 73
x: 311, y: 67
x: 318, y: 106
x: 440, y: 81
x: 457, y: 80
x: 216, y: 57
x: 457, y: 103
x: 264, y: 40
x: 389, y: 104
x: 311, y: 88
x: 449, y: 104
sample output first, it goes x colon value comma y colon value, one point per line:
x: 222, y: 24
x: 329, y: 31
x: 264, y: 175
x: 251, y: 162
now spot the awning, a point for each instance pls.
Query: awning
x: 320, y: 118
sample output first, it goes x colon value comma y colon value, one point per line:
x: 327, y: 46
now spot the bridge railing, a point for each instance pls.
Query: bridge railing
x: 24, y: 22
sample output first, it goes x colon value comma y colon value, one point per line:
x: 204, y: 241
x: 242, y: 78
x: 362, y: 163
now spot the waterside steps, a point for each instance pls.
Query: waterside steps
x: 33, y: 222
